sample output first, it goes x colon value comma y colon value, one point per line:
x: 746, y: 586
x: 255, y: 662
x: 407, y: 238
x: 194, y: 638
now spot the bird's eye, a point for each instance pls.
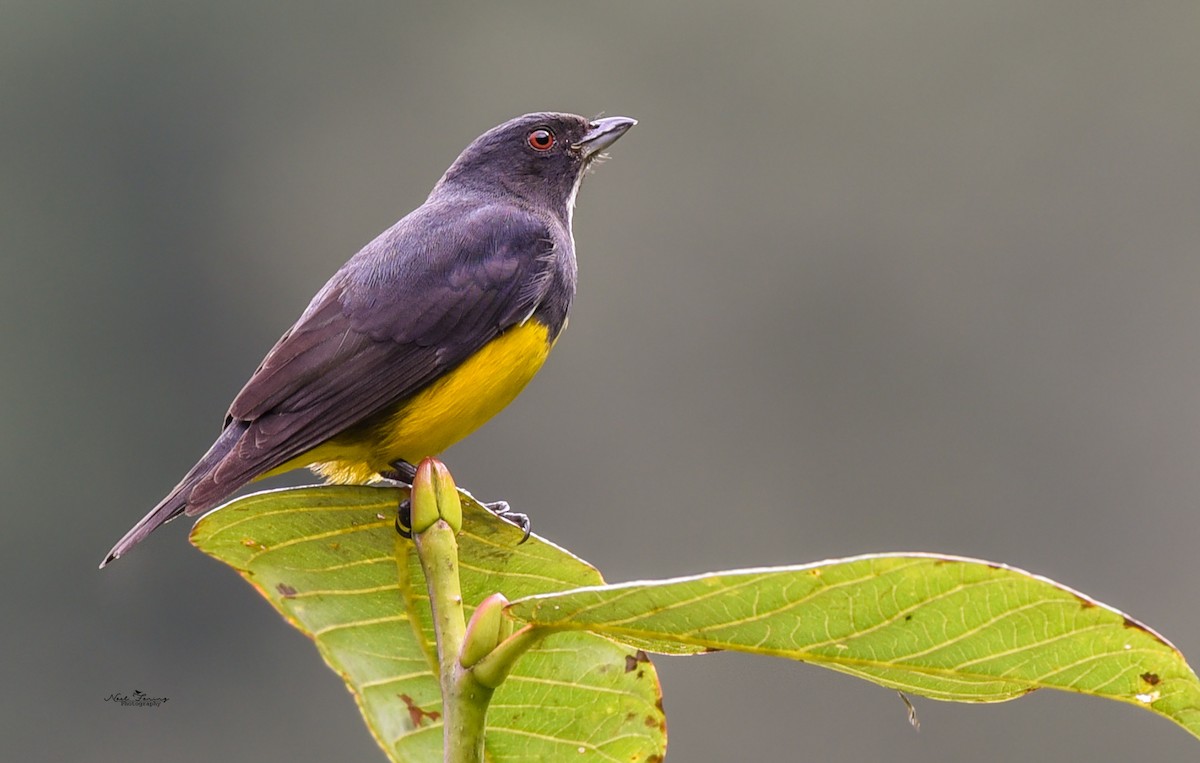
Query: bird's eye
x: 541, y: 139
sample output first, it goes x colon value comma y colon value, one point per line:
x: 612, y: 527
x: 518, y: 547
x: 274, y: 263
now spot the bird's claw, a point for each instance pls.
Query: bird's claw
x: 505, y: 512
x: 403, y: 473
x: 404, y: 519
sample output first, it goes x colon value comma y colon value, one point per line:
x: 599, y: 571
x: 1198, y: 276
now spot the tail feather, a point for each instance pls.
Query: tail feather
x: 177, y: 501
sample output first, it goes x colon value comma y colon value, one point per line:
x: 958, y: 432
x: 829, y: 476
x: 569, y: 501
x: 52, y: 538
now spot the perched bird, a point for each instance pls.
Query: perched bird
x: 422, y: 336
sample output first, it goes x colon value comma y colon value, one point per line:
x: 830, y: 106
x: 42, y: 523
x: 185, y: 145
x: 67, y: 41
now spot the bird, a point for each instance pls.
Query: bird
x: 423, y: 335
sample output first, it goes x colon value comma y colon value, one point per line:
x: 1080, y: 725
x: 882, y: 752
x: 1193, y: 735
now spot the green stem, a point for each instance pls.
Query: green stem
x: 465, y: 703
x: 464, y: 699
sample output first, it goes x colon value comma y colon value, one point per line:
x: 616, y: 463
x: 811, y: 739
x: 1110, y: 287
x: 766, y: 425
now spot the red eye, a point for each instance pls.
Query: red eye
x: 541, y: 139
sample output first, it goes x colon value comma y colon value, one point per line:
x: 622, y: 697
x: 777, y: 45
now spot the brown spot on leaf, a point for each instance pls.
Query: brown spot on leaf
x: 652, y: 722
x: 907, y: 618
x: 1151, y: 678
x: 654, y: 759
x: 415, y: 714
x: 711, y: 650
x: 1130, y: 623
x: 285, y: 590
x: 632, y: 660
x: 250, y: 543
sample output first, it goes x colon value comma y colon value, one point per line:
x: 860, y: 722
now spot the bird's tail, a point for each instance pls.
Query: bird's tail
x: 177, y: 501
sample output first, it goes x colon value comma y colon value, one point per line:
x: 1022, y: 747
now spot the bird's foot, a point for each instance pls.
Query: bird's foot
x: 505, y: 512
x: 403, y: 473
x: 404, y: 519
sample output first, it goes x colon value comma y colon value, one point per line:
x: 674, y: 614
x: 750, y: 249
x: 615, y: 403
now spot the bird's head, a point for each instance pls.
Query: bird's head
x: 540, y: 158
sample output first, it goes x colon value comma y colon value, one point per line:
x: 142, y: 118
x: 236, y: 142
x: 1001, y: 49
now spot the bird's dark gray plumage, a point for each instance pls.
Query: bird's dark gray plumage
x: 490, y: 249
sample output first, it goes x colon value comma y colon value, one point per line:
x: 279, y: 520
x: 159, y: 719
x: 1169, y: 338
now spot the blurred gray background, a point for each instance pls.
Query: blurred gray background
x: 868, y: 276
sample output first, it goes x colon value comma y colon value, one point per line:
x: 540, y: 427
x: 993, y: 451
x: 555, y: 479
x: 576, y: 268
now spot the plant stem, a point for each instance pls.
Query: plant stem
x: 488, y: 646
x: 465, y: 703
x: 464, y: 700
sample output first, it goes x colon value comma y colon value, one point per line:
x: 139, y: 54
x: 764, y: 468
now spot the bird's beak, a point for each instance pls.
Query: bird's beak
x: 603, y: 133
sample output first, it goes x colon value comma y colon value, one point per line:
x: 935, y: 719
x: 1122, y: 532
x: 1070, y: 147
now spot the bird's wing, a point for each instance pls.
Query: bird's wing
x: 409, y: 307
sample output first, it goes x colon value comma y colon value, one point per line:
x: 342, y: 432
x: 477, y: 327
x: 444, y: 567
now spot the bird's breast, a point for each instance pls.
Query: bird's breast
x: 449, y: 409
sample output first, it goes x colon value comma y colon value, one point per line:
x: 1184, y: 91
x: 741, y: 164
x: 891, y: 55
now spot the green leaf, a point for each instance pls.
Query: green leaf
x: 326, y: 558
x: 942, y: 627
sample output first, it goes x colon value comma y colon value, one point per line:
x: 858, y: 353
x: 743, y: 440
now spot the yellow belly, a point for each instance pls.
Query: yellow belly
x: 440, y: 415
